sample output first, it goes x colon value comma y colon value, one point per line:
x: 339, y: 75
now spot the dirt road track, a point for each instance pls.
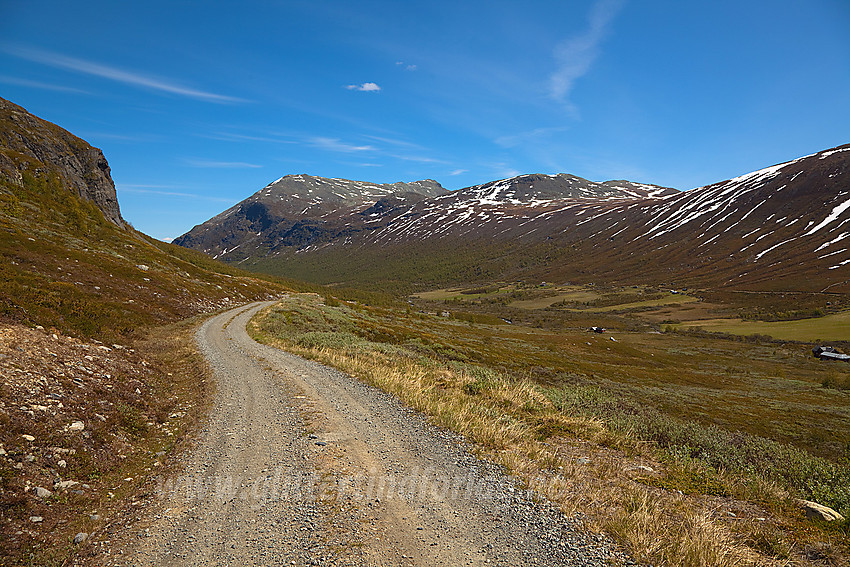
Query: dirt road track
x: 301, y: 464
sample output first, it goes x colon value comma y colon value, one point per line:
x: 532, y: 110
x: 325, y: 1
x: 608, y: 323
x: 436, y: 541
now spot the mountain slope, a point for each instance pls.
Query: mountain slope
x: 301, y: 209
x: 782, y: 227
x: 68, y: 260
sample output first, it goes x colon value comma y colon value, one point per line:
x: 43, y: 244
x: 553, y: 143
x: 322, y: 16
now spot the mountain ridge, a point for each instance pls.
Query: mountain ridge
x: 307, y: 210
x: 777, y: 226
x: 296, y: 208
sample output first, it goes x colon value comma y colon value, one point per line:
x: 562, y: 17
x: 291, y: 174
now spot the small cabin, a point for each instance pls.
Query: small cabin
x: 829, y: 353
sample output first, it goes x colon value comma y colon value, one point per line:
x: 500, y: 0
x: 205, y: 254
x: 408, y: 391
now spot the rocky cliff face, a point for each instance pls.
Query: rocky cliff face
x: 30, y: 144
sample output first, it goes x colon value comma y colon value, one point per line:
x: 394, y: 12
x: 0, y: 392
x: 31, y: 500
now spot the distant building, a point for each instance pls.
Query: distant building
x: 829, y: 353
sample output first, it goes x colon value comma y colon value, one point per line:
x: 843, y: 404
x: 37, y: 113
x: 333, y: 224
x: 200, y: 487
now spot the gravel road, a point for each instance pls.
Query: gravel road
x: 301, y: 464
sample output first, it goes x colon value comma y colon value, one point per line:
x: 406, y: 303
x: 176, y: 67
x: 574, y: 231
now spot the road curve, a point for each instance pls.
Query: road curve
x: 301, y: 464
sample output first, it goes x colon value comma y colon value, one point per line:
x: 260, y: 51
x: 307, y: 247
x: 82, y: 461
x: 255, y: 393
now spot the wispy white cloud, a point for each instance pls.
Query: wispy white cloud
x: 406, y: 66
x: 151, y: 190
x: 221, y: 164
x: 419, y: 159
x: 393, y: 141
x: 512, y: 140
x: 458, y: 172
x: 403, y: 145
x: 230, y: 137
x: 575, y: 56
x: 38, y: 85
x: 114, y: 74
x: 335, y: 145
x: 365, y: 87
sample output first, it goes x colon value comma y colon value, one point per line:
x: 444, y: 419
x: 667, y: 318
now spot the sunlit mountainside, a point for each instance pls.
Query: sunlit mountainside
x: 780, y: 227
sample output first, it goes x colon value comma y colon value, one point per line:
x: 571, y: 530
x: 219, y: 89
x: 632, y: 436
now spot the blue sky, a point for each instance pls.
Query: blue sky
x: 197, y: 105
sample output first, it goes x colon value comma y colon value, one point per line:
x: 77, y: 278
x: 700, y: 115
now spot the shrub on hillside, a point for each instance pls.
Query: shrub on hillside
x: 837, y: 382
x: 331, y: 340
x: 812, y: 477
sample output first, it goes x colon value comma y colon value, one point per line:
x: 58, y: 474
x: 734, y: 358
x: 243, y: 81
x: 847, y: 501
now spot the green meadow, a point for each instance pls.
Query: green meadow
x: 835, y: 327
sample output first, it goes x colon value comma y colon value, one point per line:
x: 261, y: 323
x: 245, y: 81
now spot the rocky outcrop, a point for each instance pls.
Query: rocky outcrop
x: 30, y: 144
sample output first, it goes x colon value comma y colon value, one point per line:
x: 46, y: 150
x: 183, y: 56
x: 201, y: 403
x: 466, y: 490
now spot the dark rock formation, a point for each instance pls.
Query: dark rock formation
x: 30, y: 144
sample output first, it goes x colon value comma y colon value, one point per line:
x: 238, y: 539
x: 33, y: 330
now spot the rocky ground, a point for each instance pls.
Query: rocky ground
x: 73, y: 415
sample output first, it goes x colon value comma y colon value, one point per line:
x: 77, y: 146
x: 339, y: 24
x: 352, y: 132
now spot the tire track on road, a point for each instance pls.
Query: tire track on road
x: 301, y: 464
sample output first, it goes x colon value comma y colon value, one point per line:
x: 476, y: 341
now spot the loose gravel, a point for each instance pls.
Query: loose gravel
x: 301, y: 464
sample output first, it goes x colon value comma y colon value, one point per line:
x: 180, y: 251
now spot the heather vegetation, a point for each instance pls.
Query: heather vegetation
x: 727, y: 433
x: 65, y: 266
x: 718, y: 449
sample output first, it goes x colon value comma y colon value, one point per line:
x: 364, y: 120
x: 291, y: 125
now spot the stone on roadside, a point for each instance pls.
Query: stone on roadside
x: 80, y: 538
x: 77, y: 426
x: 36, y: 519
x: 815, y: 511
x: 29, y: 438
x: 42, y: 492
x: 65, y: 484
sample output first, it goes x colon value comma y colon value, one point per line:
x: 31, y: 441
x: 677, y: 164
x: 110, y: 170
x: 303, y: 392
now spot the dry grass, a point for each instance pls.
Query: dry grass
x: 689, y: 536
x: 573, y: 459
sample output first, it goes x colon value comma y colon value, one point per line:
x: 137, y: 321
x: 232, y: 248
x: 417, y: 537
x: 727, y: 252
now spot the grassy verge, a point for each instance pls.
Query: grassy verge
x: 674, y: 492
